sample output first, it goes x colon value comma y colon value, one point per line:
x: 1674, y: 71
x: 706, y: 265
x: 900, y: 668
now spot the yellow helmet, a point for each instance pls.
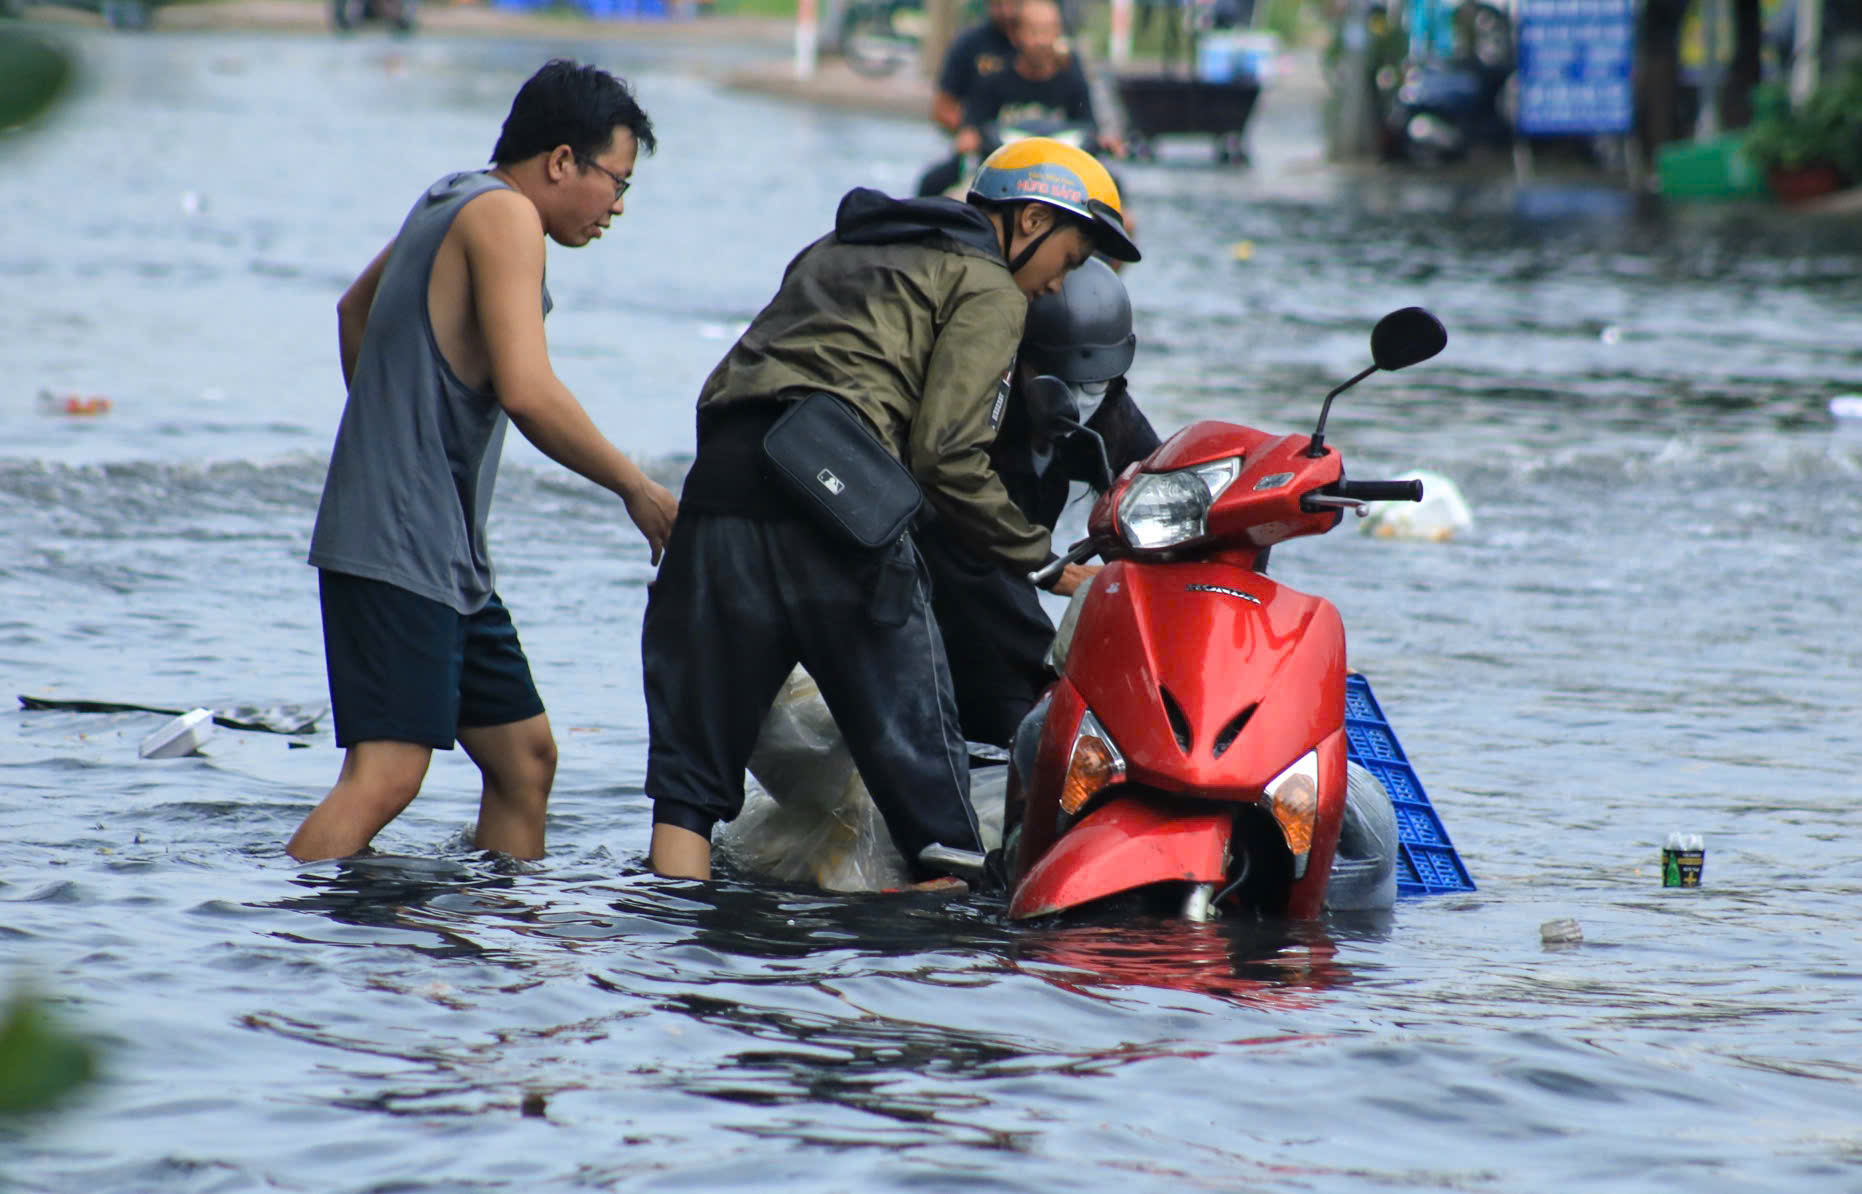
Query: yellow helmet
x: 1043, y: 170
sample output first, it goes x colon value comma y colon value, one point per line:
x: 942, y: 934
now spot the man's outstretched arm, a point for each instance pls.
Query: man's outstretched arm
x: 503, y: 239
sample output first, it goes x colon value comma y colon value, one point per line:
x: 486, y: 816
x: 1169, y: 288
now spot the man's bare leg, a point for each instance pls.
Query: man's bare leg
x: 378, y: 780
x: 679, y: 853
x: 518, y: 761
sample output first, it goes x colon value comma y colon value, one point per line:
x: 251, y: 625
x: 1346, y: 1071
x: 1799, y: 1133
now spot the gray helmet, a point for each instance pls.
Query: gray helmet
x: 1083, y: 332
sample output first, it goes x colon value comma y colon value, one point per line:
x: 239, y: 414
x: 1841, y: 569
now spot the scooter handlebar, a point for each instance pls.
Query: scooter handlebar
x: 1378, y: 491
x: 1042, y: 577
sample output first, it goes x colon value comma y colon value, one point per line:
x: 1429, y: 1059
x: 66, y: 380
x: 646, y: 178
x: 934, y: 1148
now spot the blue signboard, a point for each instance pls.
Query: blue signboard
x: 1575, y: 58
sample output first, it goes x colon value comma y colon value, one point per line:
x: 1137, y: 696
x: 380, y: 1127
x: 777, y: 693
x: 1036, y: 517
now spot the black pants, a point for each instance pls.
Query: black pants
x: 996, y: 637
x: 738, y: 603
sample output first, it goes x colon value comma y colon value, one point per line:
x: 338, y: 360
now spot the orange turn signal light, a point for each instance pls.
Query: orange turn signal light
x: 1296, y: 807
x: 1094, y: 766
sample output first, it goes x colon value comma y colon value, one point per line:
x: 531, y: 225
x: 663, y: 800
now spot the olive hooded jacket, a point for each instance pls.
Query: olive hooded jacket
x: 908, y: 313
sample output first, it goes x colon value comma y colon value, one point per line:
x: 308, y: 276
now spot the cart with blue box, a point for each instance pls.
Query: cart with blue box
x: 1214, y: 97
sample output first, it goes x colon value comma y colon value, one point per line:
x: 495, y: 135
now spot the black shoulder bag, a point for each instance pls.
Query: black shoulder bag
x: 824, y: 453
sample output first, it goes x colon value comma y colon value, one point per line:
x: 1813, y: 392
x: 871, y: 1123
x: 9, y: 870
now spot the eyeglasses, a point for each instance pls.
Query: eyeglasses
x: 620, y: 184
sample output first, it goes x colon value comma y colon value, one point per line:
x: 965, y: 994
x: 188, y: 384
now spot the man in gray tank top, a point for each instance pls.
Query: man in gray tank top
x: 442, y: 342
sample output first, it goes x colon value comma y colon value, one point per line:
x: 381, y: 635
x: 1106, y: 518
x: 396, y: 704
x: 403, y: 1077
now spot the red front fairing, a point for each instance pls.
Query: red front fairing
x: 1211, y: 678
x: 1126, y: 843
x: 1224, y: 646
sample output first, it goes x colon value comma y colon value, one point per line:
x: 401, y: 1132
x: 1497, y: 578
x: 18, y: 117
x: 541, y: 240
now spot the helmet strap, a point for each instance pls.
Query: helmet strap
x: 1033, y: 246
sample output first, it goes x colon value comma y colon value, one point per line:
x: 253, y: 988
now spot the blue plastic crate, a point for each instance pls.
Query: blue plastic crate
x: 1426, y: 859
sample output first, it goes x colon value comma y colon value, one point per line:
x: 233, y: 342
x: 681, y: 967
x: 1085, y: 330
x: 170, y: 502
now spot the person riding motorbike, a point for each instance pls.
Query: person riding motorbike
x: 975, y: 53
x: 995, y: 632
x: 1043, y: 82
x: 1041, y: 91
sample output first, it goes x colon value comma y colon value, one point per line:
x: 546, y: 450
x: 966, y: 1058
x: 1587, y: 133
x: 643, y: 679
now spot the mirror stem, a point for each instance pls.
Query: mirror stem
x: 1099, y: 444
x: 1318, y: 435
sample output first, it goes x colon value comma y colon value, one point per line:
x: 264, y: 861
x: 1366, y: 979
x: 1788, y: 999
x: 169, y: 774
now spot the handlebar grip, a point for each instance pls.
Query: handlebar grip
x: 1044, y: 576
x: 1379, y: 491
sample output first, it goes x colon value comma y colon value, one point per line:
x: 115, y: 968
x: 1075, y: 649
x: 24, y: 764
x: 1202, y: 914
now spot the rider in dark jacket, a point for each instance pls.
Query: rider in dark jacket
x: 995, y: 632
x: 907, y: 319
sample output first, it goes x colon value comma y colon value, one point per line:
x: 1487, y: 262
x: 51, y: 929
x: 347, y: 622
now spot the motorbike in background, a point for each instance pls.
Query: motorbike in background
x: 348, y: 14
x: 1442, y: 106
x: 1193, y: 747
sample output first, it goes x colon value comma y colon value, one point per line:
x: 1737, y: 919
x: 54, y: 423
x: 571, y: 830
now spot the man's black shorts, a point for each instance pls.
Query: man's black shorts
x: 404, y: 668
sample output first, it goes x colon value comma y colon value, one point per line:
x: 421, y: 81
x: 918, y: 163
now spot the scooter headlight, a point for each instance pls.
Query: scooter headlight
x: 1094, y: 766
x: 1293, y: 798
x: 1162, y: 510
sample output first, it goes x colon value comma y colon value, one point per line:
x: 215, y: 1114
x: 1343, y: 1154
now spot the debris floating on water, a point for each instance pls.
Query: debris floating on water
x: 179, y: 737
x: 1684, y: 856
x: 73, y: 403
x: 1846, y: 406
x: 1562, y: 931
x: 276, y: 719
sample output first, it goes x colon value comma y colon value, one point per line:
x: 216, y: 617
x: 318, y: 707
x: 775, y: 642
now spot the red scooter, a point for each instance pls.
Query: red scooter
x: 1193, y: 746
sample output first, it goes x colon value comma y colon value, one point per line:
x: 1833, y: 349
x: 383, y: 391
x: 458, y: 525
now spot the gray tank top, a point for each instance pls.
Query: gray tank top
x: 417, y: 450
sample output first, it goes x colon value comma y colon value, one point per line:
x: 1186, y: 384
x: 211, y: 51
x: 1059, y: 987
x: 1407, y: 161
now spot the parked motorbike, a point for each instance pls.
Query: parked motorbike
x: 1444, y: 107
x: 1193, y: 746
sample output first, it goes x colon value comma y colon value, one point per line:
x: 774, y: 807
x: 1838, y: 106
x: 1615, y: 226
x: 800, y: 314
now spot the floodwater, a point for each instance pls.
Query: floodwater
x: 1651, y: 628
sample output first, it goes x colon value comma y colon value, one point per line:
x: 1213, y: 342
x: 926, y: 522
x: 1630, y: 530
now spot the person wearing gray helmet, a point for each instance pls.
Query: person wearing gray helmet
x: 995, y: 632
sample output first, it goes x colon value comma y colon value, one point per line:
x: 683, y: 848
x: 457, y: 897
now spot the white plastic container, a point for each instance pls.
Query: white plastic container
x: 182, y: 736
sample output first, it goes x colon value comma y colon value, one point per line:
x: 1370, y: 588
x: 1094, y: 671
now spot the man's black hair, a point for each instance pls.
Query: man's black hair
x: 566, y: 103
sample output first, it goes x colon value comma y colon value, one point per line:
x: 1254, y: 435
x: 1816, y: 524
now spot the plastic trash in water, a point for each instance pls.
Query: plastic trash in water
x: 1846, y: 407
x: 73, y: 404
x: 1562, y: 931
x: 179, y: 737
x: 807, y: 818
x: 1441, y: 515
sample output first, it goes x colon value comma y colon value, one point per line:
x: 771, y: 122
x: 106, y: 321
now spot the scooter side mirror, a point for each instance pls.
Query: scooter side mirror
x: 1053, y: 412
x: 1407, y: 337
x: 1101, y: 463
x: 1400, y: 339
x: 1050, y: 405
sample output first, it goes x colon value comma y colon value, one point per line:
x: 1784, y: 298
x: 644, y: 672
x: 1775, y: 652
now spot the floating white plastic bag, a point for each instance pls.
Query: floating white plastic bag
x: 807, y: 817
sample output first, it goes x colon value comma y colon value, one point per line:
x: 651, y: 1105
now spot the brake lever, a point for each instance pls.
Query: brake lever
x: 1048, y: 573
x: 1312, y: 503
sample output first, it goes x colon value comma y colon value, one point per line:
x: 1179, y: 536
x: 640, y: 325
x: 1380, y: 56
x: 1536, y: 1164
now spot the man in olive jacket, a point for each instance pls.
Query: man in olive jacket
x: 909, y: 313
